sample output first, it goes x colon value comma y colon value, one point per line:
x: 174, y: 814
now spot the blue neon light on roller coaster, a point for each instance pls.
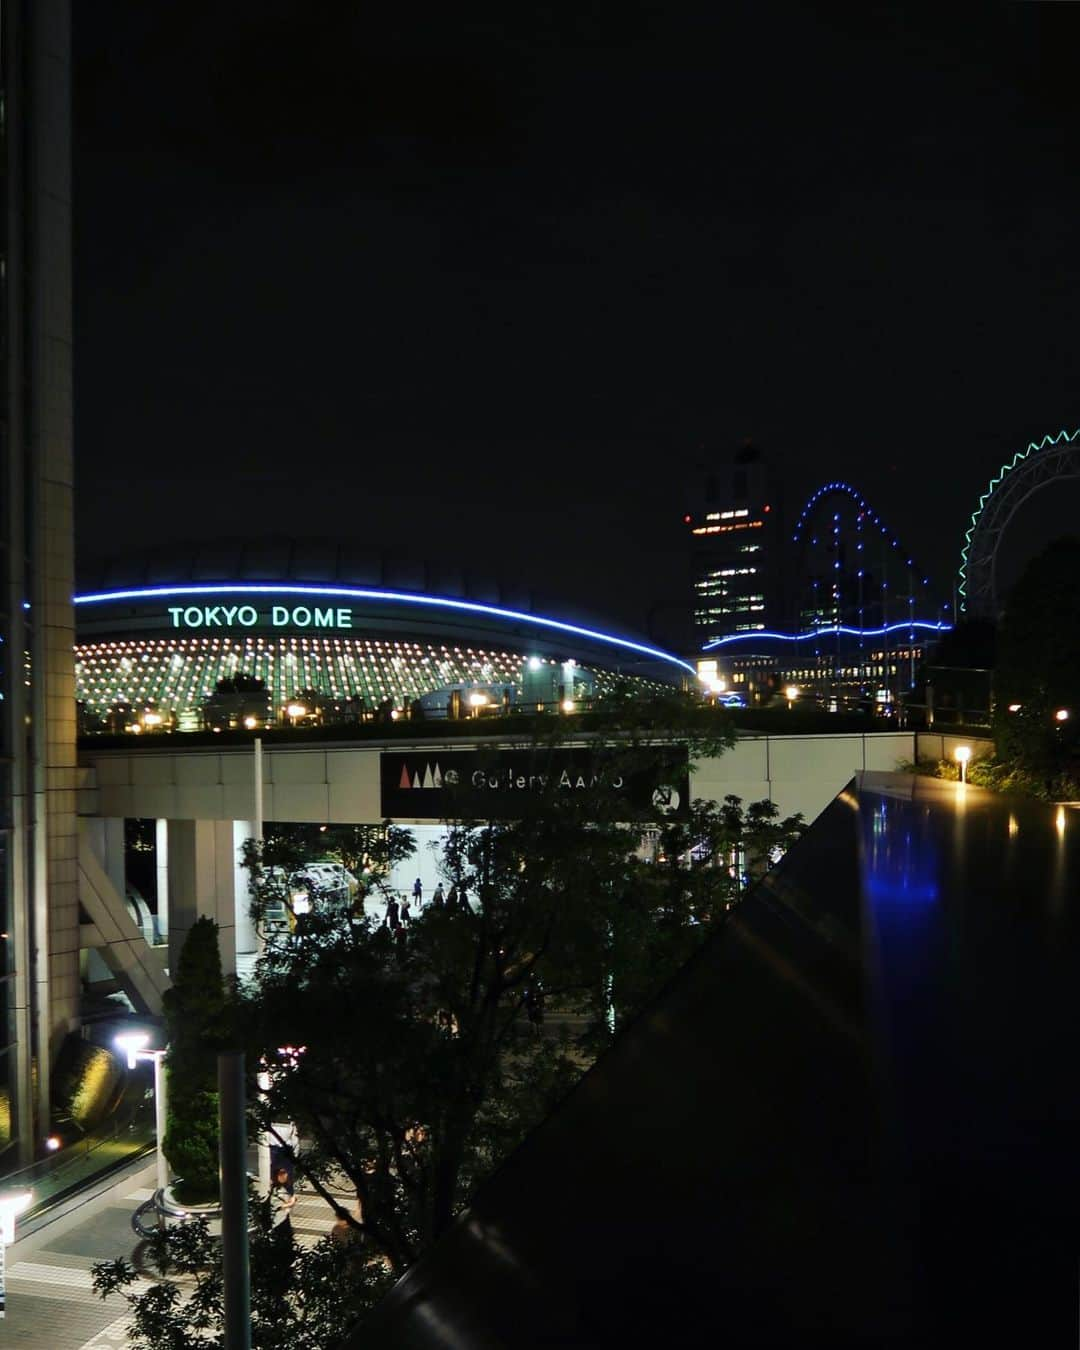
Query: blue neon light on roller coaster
x: 938, y: 627
x: 863, y: 505
x: 398, y: 597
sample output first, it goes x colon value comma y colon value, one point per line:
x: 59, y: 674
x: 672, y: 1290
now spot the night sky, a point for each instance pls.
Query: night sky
x: 485, y: 284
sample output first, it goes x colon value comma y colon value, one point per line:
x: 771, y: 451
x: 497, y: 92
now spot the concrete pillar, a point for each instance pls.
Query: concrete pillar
x: 247, y: 939
x: 114, y: 860
x: 161, y: 864
x: 202, y: 881
x: 106, y: 835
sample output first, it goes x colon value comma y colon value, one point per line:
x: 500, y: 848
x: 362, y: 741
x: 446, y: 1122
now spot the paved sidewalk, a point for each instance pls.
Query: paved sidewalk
x: 50, y: 1304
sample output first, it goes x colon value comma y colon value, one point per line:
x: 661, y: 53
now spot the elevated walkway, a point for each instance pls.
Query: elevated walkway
x: 851, y: 1120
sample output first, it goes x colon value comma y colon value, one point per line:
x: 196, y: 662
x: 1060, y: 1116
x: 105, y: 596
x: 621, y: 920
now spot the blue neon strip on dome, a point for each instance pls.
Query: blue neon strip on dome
x: 939, y: 627
x: 402, y: 597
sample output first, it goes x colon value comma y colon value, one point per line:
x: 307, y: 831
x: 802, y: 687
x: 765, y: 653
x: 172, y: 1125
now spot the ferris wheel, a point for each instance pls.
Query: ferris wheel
x: 1051, y: 459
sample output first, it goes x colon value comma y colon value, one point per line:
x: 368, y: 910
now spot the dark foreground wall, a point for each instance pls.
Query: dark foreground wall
x: 851, y: 1121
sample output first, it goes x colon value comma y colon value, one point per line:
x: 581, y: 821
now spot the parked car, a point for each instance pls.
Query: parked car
x: 326, y: 881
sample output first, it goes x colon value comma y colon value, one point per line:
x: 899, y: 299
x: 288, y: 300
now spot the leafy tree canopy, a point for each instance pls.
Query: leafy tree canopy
x: 1038, y: 669
x: 415, y: 1059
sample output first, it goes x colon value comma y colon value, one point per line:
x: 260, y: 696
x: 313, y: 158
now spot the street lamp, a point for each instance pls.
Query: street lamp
x: 791, y: 693
x: 1062, y: 715
x: 133, y: 1044
x: 962, y: 754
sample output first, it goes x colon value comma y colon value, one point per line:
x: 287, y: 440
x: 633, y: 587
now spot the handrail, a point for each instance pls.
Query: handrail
x: 126, y: 1135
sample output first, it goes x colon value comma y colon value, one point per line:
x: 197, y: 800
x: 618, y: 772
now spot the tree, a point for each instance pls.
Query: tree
x: 414, y: 1081
x: 412, y: 1072
x: 195, y: 1009
x: 1038, y: 670
x: 301, y: 1298
x: 959, y: 670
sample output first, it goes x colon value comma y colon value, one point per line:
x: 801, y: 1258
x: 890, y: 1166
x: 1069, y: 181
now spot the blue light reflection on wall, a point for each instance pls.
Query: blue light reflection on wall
x: 900, y: 862
x: 901, y: 875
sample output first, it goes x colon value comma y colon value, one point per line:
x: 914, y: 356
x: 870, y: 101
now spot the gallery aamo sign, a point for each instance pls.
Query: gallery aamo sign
x: 247, y: 616
x: 495, y: 784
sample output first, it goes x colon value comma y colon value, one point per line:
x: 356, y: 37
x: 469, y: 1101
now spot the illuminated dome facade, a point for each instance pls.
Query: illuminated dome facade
x: 168, y: 648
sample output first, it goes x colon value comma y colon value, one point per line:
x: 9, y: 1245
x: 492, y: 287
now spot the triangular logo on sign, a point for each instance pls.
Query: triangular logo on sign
x: 436, y: 779
x: 416, y: 780
x: 404, y: 783
x: 427, y: 776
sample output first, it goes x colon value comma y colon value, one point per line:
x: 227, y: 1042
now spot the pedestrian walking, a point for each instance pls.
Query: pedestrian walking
x: 418, y: 892
x: 393, y: 915
x: 437, y: 898
x: 406, y: 912
x: 534, y: 1006
x: 282, y: 1199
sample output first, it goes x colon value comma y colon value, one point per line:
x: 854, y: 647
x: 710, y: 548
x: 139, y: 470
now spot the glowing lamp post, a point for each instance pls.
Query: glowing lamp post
x: 791, y: 693
x: 1062, y: 715
x: 133, y: 1044
x: 962, y: 754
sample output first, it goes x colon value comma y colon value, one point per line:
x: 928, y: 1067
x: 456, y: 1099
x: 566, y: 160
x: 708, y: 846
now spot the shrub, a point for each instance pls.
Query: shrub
x: 194, y: 1023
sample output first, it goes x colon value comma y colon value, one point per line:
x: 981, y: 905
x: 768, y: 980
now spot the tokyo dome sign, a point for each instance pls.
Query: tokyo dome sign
x: 247, y: 616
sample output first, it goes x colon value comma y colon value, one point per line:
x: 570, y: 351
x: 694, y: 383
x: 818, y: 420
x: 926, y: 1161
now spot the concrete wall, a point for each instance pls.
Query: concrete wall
x: 935, y: 745
x: 340, y: 784
x: 798, y: 773
x: 203, y: 801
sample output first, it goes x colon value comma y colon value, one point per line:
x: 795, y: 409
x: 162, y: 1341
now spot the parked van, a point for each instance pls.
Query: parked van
x: 327, y: 881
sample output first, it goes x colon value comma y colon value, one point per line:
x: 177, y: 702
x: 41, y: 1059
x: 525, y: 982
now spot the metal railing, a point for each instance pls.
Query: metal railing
x: 127, y: 1134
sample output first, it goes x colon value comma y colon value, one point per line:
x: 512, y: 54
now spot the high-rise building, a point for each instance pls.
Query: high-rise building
x: 39, y: 909
x: 737, y: 545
